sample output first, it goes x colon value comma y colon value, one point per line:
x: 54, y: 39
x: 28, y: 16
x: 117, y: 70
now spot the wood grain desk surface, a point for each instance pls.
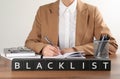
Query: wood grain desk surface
x: 6, y: 73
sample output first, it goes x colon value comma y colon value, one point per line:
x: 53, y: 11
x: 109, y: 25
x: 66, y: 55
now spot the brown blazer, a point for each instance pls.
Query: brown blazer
x: 89, y: 24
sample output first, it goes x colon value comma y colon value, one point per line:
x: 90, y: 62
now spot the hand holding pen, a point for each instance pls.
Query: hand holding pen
x: 50, y: 50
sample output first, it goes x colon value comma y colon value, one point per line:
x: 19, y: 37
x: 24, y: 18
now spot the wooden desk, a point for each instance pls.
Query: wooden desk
x: 6, y: 73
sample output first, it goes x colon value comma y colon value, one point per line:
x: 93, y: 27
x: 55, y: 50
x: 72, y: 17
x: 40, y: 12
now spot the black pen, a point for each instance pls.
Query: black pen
x: 102, y: 43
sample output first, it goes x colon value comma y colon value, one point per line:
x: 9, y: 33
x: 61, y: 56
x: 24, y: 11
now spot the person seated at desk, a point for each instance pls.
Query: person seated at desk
x: 71, y: 25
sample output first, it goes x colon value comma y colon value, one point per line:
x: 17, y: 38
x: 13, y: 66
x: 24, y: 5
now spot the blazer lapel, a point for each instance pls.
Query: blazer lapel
x: 81, y: 23
x: 54, y: 22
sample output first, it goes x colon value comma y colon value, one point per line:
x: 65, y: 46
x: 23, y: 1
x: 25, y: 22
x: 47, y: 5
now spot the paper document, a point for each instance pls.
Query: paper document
x: 71, y: 55
x: 18, y: 52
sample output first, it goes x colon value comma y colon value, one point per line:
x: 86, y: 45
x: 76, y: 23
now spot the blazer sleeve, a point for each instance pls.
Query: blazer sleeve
x: 34, y: 39
x: 99, y: 28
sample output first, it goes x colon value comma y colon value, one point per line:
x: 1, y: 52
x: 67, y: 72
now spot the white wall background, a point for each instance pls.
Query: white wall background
x: 17, y: 16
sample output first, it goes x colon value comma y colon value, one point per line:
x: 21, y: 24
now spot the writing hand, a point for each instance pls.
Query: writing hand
x: 50, y: 50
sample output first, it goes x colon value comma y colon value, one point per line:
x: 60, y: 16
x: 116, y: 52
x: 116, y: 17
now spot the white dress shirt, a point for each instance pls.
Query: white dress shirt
x: 67, y: 25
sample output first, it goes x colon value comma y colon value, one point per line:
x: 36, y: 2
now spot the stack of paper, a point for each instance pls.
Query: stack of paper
x: 19, y: 52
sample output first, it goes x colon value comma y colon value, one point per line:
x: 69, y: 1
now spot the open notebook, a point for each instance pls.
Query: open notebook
x: 71, y: 55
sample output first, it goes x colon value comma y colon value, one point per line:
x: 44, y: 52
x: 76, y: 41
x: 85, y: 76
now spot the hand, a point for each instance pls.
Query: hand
x: 50, y: 51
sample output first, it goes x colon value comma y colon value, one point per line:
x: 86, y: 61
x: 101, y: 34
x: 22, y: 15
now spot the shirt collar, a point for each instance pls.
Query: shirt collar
x: 71, y: 8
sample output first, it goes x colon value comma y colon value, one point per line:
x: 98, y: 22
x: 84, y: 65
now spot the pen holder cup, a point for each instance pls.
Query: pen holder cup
x: 101, y: 49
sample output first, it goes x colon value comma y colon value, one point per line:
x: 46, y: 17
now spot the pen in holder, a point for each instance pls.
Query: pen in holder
x: 101, y: 48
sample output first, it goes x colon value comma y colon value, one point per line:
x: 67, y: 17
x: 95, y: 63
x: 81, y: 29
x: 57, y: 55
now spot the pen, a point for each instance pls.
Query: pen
x: 46, y: 38
x: 102, y: 44
x: 50, y: 42
x: 106, y: 38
